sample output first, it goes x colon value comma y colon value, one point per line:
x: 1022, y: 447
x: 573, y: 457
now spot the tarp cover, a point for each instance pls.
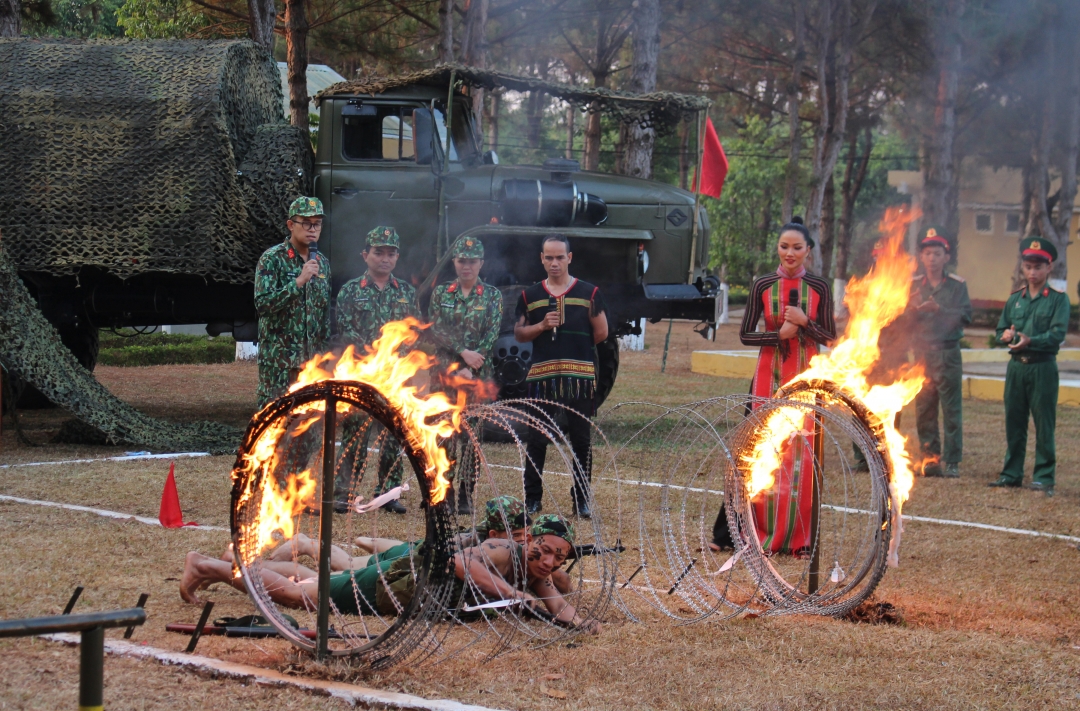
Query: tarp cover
x: 124, y: 156
x: 662, y: 110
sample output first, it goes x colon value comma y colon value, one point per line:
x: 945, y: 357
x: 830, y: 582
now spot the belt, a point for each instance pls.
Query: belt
x: 1029, y: 358
x: 942, y: 346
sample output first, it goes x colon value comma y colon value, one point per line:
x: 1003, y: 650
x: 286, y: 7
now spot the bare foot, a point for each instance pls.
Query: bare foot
x: 191, y: 581
x: 227, y: 556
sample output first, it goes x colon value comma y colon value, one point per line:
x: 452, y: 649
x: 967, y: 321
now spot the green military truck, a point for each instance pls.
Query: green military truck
x: 140, y: 181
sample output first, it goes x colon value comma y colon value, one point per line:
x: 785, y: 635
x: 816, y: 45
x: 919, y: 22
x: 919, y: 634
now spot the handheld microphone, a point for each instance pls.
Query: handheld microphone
x: 554, y: 303
x: 793, y: 297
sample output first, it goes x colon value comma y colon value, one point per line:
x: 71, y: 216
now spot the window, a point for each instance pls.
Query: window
x: 377, y: 132
x: 984, y: 222
x: 1012, y: 222
x: 462, y: 145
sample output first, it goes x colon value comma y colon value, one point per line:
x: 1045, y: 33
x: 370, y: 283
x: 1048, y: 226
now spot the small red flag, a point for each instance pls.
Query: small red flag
x: 714, y: 165
x: 170, y: 514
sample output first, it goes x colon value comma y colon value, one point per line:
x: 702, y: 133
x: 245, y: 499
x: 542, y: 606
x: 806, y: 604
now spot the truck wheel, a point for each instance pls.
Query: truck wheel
x: 607, y: 367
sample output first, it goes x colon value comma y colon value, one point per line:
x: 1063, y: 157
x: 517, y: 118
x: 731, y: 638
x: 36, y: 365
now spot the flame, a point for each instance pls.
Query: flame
x: 429, y: 419
x: 928, y: 460
x: 873, y: 302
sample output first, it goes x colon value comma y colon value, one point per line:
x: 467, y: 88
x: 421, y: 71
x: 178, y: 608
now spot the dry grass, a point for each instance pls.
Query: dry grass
x: 990, y: 619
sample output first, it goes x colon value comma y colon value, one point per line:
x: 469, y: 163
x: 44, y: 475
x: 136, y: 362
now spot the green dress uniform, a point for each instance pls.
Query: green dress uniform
x: 937, y: 341
x: 464, y: 322
x: 294, y: 321
x: 362, y: 310
x: 1031, y: 379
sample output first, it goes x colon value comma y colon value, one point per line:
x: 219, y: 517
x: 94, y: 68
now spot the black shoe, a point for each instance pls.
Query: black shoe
x: 533, y: 507
x: 952, y: 470
x: 1047, y: 489
x: 1002, y: 482
x: 393, y: 507
x: 582, y: 511
x: 933, y: 469
x: 341, y: 507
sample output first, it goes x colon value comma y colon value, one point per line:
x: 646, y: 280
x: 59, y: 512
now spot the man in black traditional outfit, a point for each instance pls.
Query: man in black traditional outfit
x: 564, y: 319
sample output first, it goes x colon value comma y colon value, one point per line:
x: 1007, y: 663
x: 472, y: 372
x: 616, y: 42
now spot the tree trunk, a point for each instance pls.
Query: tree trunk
x: 296, y: 31
x: 791, y: 183
x: 638, y: 142
x: 10, y: 18
x: 474, y: 50
x: 939, y: 170
x: 570, y: 115
x: 828, y: 229
x: 839, y: 37
x: 593, y: 134
x: 854, y: 175
x: 261, y: 17
x: 446, y: 31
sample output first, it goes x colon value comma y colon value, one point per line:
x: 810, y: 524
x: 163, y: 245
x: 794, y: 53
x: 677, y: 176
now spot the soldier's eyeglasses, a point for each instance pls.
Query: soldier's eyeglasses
x: 310, y: 226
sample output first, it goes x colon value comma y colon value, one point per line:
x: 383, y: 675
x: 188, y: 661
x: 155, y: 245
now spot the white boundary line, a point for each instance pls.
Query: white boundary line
x: 349, y: 693
x: 125, y: 458
x: 102, y: 512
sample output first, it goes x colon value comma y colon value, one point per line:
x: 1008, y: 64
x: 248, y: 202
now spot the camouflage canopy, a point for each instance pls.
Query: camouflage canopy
x: 134, y: 157
x: 662, y: 110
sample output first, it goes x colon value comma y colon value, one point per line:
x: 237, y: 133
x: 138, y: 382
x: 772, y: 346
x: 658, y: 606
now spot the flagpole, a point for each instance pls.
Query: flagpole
x: 695, y: 231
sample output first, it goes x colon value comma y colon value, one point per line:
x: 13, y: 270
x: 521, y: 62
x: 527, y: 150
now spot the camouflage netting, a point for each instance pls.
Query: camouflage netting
x: 127, y: 156
x: 30, y: 349
x: 662, y: 110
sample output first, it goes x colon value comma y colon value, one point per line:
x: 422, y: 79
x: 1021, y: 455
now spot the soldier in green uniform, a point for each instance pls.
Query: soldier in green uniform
x: 939, y: 310
x: 292, y: 297
x: 465, y: 316
x: 1033, y: 323
x: 364, y: 305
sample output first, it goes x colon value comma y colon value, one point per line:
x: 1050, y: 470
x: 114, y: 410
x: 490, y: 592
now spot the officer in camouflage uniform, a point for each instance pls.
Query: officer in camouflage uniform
x: 1033, y: 323
x: 292, y: 297
x: 364, y: 306
x: 465, y: 315
x: 939, y: 308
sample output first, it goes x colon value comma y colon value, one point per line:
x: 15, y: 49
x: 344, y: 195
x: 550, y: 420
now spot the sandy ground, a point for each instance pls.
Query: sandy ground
x: 990, y: 619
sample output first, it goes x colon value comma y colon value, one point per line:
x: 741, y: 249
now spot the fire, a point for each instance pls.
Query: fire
x: 429, y: 417
x: 873, y: 302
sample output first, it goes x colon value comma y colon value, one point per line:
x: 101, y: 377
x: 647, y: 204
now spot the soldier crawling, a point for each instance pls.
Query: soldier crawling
x: 292, y: 297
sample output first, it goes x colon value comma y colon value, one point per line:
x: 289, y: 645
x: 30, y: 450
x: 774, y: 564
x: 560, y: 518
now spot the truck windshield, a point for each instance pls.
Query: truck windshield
x: 463, y: 148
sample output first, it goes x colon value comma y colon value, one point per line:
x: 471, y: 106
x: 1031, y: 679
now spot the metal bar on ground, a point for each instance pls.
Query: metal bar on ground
x: 91, y: 669
x: 199, y: 626
x: 140, y: 604
x: 71, y: 623
x: 681, y: 576
x: 632, y: 575
x: 326, y: 524
x: 667, y: 342
x: 73, y: 599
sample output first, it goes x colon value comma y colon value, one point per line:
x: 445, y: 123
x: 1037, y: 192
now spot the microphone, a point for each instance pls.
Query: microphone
x: 554, y: 303
x: 793, y: 297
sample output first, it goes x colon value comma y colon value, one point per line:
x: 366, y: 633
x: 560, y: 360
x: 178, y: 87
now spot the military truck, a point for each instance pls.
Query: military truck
x: 167, y: 168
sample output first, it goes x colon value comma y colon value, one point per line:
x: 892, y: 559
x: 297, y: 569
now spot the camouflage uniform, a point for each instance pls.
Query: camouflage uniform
x: 458, y: 323
x: 294, y: 321
x: 362, y: 310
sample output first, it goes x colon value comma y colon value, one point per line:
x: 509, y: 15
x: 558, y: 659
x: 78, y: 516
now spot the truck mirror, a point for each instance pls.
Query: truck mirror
x: 491, y: 158
x: 423, y: 135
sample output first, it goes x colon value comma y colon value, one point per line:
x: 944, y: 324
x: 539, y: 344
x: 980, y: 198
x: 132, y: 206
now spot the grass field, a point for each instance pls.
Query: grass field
x: 989, y: 619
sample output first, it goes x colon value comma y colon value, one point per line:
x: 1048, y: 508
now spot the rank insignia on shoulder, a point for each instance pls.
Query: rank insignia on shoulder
x: 291, y: 254
x: 957, y: 277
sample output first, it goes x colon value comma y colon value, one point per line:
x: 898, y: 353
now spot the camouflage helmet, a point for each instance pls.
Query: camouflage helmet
x: 306, y: 207
x: 503, y: 510
x: 383, y: 236
x: 468, y: 248
x: 553, y: 525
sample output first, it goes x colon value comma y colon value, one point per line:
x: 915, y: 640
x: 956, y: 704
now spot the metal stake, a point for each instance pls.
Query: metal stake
x: 91, y: 669
x: 140, y: 604
x: 72, y: 600
x: 326, y: 523
x: 813, y: 579
x: 199, y: 627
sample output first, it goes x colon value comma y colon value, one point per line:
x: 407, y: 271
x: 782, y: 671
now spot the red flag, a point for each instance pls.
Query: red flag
x: 170, y: 514
x: 714, y: 165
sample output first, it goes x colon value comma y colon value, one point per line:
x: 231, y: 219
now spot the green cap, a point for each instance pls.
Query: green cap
x: 1038, y: 249
x: 935, y: 237
x: 503, y: 510
x: 306, y: 207
x: 468, y: 248
x: 383, y: 236
x: 553, y: 525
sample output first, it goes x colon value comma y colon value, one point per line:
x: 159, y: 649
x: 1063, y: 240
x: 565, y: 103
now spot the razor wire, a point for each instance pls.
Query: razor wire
x: 667, y: 482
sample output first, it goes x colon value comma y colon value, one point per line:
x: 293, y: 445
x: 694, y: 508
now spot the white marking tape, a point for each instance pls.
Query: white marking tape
x: 349, y: 693
x: 125, y: 458
x: 102, y: 512
x: 845, y: 509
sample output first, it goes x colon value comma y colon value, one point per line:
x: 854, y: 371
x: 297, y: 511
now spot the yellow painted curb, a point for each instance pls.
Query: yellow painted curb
x: 1001, y: 355
x: 724, y: 364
